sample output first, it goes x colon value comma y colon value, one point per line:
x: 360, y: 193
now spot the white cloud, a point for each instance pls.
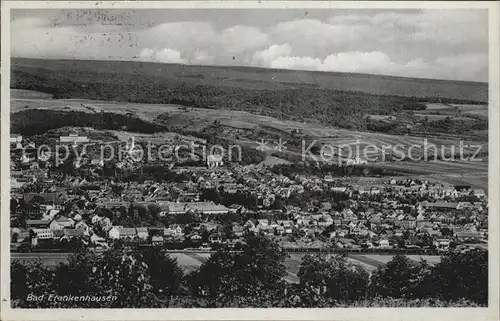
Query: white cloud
x: 449, y: 44
x: 314, y: 32
x: 463, y: 66
x: 466, y: 66
x: 265, y: 57
x: 146, y: 54
x: 170, y: 56
x: 239, y: 38
x: 202, y: 58
x: 450, y: 26
x: 165, y: 55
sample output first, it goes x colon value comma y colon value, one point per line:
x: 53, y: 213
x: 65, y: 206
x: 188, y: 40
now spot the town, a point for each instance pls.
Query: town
x: 211, y: 203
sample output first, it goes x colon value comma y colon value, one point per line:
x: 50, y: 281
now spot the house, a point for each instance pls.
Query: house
x: 462, y: 205
x: 47, y: 198
x: 127, y: 232
x: 441, y: 243
x: 114, y: 233
x: 249, y: 225
x: 174, y: 230
x: 280, y: 230
x: 466, y: 235
x: 462, y: 188
x: 439, y: 205
x: 132, y: 194
x: 384, y: 243
x: 262, y: 222
x: 202, y: 207
x: 97, y: 162
x: 61, y: 223
x: 98, y: 240
x: 142, y: 232
x: 83, y: 227
x: 214, y: 161
x: 16, y: 141
x: 39, y: 224
x: 70, y: 233
x: 325, y: 220
x: 157, y: 239
x: 432, y: 232
x: 215, y: 237
x: 112, y: 204
x: 42, y: 233
x: 195, y: 238
x: 478, y: 193
x: 73, y: 138
x: 345, y: 242
x: 237, y: 230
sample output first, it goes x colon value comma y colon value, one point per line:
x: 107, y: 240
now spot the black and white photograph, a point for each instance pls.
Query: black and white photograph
x: 255, y: 155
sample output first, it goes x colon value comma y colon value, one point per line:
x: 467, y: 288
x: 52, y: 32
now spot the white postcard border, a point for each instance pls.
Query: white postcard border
x: 490, y: 313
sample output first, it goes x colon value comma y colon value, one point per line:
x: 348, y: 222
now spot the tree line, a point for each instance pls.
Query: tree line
x: 338, y: 108
x: 253, y: 277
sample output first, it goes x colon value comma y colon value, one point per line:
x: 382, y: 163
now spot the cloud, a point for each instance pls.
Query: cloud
x: 450, y: 26
x: 449, y: 44
x: 463, y: 66
x: 466, y: 66
x: 202, y: 58
x: 239, y: 38
x: 165, y: 55
x: 266, y: 57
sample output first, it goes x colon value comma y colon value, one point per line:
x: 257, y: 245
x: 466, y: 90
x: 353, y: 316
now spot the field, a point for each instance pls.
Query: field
x: 192, y: 119
x: 435, y: 111
x: 238, y: 125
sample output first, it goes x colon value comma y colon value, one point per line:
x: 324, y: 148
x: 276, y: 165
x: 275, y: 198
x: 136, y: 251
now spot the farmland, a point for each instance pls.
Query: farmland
x: 249, y: 129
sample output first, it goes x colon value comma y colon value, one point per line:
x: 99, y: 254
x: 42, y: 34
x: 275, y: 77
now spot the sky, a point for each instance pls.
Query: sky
x: 439, y: 44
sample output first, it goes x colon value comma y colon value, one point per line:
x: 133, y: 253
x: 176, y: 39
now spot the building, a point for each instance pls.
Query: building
x: 127, y: 232
x: 69, y: 233
x: 110, y: 204
x: 479, y: 193
x: 114, y: 233
x: 73, y: 138
x: 201, y: 207
x: 16, y: 141
x: 37, y: 224
x: 142, y: 232
x: 61, y: 223
x: 42, y: 233
x: 214, y: 161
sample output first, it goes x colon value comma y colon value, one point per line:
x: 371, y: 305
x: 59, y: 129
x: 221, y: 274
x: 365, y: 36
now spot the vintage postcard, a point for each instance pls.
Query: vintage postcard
x: 250, y: 160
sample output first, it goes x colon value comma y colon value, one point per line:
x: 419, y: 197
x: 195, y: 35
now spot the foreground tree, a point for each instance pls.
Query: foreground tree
x: 333, y: 277
x: 463, y: 276
x: 164, y: 271
x: 255, y: 272
x: 402, y: 278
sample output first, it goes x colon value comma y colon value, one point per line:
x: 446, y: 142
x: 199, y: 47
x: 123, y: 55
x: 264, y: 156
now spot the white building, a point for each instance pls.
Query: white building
x: 73, y: 138
x: 43, y: 233
x: 16, y: 141
x: 214, y: 161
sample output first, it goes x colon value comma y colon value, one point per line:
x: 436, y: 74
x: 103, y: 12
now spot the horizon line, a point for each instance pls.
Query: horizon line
x: 263, y: 68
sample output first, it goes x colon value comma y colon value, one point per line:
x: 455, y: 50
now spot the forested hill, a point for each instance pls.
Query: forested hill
x: 259, y: 78
x: 281, y: 94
